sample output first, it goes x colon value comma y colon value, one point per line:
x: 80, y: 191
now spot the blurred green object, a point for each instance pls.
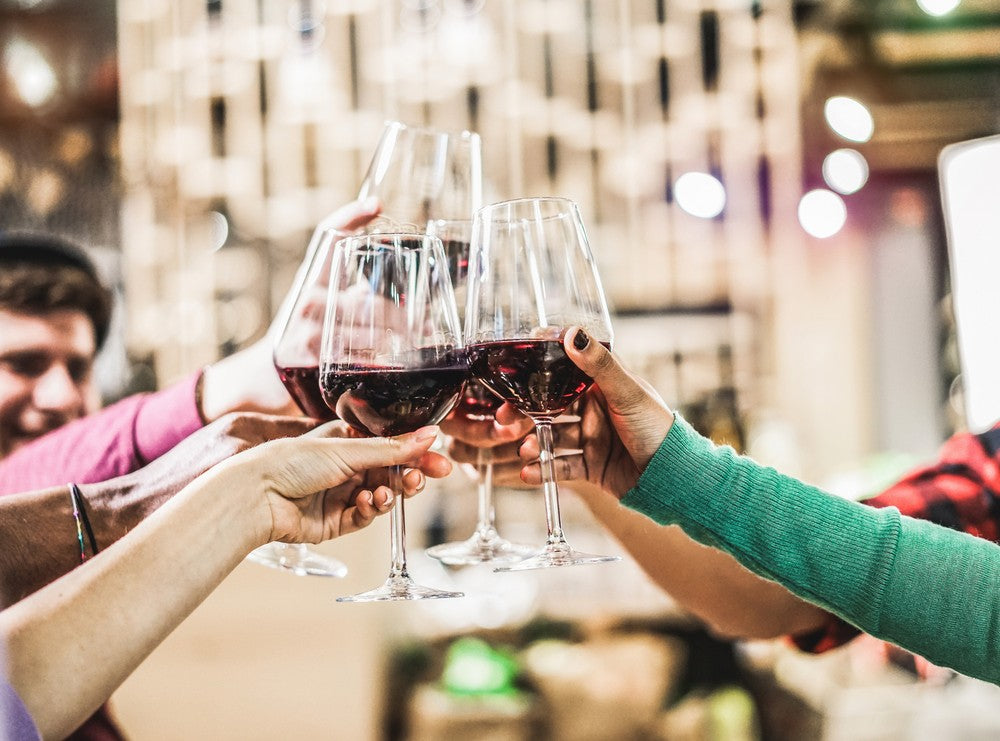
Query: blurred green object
x: 473, y: 667
x: 732, y: 715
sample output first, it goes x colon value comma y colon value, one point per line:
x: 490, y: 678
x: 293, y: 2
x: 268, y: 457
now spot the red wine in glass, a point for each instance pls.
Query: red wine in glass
x: 535, y: 375
x: 303, y: 386
x: 478, y: 403
x: 532, y: 276
x: 384, y: 402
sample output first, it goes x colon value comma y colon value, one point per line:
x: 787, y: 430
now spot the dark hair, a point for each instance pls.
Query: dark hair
x: 41, y: 273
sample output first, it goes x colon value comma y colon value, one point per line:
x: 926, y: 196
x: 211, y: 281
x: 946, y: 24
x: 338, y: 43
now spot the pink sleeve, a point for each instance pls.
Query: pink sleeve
x: 110, y: 443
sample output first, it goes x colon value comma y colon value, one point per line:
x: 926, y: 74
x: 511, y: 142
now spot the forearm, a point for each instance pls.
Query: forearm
x: 38, y: 535
x: 926, y: 588
x: 99, y: 622
x: 712, y: 585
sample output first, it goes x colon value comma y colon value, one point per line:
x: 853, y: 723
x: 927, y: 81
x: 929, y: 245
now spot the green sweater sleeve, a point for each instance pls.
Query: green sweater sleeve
x: 931, y: 590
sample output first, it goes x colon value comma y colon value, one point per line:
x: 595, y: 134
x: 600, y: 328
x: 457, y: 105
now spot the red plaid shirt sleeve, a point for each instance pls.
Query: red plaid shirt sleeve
x: 961, y: 491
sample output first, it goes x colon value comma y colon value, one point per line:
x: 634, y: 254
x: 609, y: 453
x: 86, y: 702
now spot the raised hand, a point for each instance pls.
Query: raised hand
x: 622, y: 423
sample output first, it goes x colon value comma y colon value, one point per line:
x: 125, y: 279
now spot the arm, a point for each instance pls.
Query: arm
x: 37, y: 531
x: 80, y: 637
x: 872, y: 567
x: 710, y: 584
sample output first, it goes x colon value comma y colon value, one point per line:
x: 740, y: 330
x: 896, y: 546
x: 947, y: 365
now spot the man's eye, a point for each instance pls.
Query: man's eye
x: 27, y: 366
x: 79, y: 371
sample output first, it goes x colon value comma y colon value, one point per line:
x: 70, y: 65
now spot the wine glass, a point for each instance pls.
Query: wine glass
x: 296, y: 359
x: 478, y: 403
x: 531, y: 277
x: 421, y: 174
x: 392, y: 359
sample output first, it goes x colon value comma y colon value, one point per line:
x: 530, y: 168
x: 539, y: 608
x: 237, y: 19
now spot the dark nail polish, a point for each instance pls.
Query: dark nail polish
x: 581, y: 340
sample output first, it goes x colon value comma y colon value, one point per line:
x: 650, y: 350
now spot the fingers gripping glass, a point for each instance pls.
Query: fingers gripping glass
x: 392, y: 359
x: 531, y: 277
x: 296, y: 359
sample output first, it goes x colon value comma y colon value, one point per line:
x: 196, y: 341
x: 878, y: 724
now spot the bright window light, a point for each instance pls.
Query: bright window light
x: 845, y: 171
x: 822, y: 213
x: 849, y: 118
x: 700, y: 194
x: 938, y: 7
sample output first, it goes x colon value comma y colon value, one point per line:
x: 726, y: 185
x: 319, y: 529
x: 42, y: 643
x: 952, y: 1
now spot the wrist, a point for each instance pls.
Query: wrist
x: 244, y: 493
x: 112, y: 512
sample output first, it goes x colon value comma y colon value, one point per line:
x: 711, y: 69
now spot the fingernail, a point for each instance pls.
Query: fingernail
x: 426, y: 433
x: 581, y: 340
x: 370, y: 203
x: 388, y: 500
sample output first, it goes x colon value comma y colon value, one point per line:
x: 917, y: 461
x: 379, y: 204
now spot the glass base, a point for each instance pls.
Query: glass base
x: 556, y: 554
x: 489, y: 548
x: 298, y: 559
x: 400, y: 587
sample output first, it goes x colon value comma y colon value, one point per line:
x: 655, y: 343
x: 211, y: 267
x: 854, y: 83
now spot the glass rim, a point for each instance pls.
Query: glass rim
x: 571, y: 206
x: 531, y: 199
x: 467, y: 134
x: 382, y: 241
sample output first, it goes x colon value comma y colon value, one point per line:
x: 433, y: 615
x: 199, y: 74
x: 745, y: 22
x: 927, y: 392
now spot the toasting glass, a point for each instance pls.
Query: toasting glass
x: 478, y: 403
x: 296, y: 359
x: 421, y: 174
x: 531, y: 277
x: 392, y: 359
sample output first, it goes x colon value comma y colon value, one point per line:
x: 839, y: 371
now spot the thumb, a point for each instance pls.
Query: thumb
x: 621, y: 389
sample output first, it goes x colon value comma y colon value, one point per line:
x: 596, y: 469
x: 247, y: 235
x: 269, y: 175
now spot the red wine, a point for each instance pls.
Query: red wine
x: 457, y: 252
x: 303, y: 386
x: 536, y: 376
x: 478, y: 402
x: 385, y: 401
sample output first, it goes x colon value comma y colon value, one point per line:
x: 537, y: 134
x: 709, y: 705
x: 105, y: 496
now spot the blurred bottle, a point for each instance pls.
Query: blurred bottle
x: 722, y: 420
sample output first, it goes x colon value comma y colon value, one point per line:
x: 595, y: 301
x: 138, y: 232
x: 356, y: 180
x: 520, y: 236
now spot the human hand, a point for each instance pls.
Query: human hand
x: 314, y: 487
x: 246, y: 380
x: 623, y: 421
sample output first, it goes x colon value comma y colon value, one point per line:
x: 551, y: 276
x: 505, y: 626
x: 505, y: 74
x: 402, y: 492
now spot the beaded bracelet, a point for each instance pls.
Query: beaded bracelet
x: 82, y: 522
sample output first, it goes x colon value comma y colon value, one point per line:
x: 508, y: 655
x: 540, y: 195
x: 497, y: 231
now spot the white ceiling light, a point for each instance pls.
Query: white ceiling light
x: 822, y: 213
x: 845, y: 170
x: 700, y: 194
x: 849, y: 118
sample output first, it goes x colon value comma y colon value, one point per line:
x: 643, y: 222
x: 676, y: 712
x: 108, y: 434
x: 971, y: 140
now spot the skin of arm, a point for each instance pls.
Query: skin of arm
x: 78, y: 638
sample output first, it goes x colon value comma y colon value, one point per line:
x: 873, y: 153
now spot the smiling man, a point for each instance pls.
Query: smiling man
x: 54, y: 315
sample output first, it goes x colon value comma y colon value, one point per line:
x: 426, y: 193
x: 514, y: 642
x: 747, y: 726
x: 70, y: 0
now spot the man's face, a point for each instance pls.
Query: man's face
x: 46, y: 364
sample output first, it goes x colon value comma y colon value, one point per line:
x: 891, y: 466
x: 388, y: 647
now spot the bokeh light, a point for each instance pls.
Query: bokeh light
x: 33, y: 77
x: 938, y: 7
x: 822, y: 213
x: 845, y: 171
x: 849, y: 118
x: 700, y: 194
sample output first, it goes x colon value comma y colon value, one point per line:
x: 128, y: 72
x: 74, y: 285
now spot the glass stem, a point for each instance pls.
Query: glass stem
x: 486, y: 523
x: 397, y: 521
x: 543, y: 427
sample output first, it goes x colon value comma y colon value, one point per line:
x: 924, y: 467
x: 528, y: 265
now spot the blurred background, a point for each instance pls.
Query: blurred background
x: 759, y: 183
